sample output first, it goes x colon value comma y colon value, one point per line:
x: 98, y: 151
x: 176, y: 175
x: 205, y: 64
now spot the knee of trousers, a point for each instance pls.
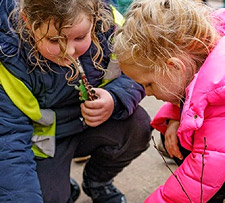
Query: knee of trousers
x: 139, y: 129
x: 110, y: 160
x: 133, y: 139
x: 137, y: 135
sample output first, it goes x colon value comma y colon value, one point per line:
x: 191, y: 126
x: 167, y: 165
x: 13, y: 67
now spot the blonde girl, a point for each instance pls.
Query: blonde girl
x: 46, y: 46
x: 175, y: 49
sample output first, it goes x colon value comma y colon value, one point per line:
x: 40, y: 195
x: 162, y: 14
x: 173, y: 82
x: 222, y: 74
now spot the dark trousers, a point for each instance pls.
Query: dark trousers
x: 112, y: 146
x: 220, y: 195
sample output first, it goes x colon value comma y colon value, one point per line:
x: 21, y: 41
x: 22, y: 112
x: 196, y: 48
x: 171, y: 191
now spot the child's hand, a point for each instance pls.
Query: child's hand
x: 98, y: 111
x: 171, y: 139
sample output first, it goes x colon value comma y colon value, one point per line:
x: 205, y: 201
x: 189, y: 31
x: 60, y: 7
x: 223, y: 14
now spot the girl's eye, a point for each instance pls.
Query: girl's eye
x: 80, y: 38
x: 148, y: 85
x: 53, y: 40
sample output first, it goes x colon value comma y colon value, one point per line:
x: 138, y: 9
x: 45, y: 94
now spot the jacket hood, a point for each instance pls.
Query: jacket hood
x: 219, y: 20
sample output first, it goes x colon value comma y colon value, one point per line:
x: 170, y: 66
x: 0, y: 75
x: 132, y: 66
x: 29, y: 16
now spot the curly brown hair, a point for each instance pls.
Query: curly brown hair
x: 62, y: 13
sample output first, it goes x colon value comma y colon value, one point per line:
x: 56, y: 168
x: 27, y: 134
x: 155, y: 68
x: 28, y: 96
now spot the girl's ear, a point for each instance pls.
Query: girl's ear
x: 25, y: 19
x: 176, y: 63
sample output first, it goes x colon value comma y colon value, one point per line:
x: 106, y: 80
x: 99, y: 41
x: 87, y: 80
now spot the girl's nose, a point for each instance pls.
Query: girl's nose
x: 70, y: 49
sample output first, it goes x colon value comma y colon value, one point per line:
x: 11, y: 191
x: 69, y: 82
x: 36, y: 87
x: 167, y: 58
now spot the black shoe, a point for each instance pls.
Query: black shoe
x: 75, y: 189
x: 106, y: 193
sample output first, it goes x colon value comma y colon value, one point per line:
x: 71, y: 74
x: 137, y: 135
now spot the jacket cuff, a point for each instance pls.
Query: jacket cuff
x: 167, y: 112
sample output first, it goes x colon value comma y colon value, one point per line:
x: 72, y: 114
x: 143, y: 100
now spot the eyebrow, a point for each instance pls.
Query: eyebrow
x: 52, y: 37
x: 83, y: 34
x: 58, y: 36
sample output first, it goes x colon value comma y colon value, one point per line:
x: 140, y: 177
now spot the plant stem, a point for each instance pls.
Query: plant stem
x: 171, y: 170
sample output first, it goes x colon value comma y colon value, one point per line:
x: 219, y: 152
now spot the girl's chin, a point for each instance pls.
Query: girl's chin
x: 173, y: 101
x: 176, y: 101
x: 65, y: 63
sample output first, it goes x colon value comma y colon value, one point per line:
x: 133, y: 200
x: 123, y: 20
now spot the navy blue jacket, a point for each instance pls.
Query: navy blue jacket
x: 18, y: 178
x: 51, y: 88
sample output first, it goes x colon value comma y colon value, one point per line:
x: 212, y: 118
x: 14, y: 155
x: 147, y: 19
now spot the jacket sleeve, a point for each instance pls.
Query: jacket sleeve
x: 126, y: 94
x: 18, y: 178
x: 190, y: 172
x: 167, y: 112
x: 19, y: 181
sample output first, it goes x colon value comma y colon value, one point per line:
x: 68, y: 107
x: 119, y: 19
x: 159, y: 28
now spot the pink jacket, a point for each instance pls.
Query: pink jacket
x: 203, y: 115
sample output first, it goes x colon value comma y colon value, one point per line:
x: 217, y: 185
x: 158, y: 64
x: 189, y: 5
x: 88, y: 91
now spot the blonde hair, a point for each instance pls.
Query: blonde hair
x: 63, y: 13
x: 156, y: 30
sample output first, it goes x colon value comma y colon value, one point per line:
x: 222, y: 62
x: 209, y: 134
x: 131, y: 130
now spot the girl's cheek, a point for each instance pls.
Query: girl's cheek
x: 53, y: 50
x: 87, y: 43
x: 83, y: 48
x: 47, y: 49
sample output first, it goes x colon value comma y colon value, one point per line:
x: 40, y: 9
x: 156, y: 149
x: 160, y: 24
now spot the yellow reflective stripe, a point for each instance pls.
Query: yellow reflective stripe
x: 23, y: 98
x: 20, y: 95
x: 44, y: 147
x: 104, y: 82
x: 113, y: 56
x: 118, y: 17
x: 41, y: 130
x: 38, y: 153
